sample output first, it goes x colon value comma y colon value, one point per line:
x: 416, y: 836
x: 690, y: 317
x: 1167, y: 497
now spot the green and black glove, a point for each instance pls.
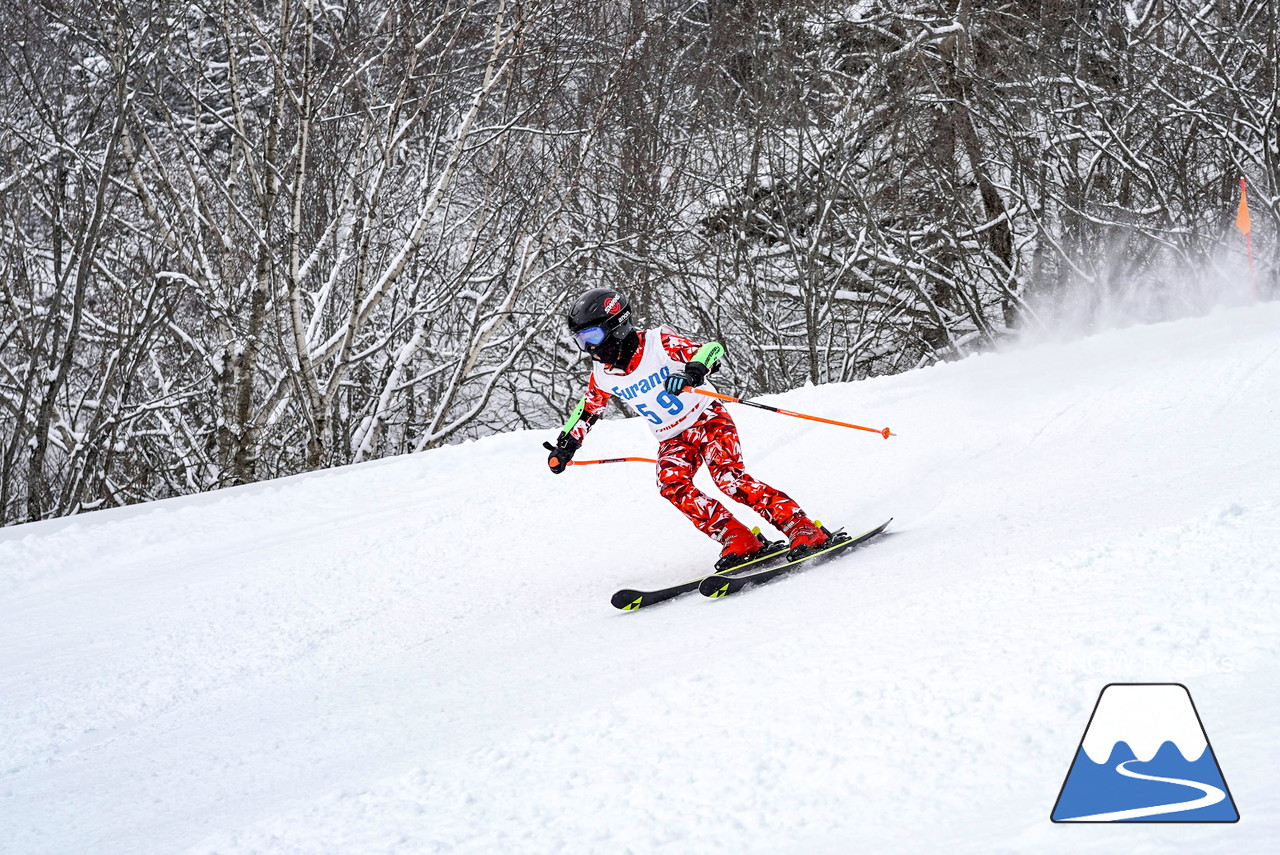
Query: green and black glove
x: 696, y: 370
x: 694, y: 374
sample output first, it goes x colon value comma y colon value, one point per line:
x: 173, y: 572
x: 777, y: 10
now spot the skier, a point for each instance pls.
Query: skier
x: 649, y: 370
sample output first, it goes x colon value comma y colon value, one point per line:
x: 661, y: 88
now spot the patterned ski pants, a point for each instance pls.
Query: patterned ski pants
x: 713, y: 439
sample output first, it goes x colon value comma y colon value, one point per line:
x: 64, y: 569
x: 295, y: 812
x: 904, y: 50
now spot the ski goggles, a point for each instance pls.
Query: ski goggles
x: 590, y: 337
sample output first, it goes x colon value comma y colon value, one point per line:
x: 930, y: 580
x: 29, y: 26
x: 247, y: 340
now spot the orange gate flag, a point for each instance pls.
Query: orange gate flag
x: 1242, y: 223
x: 1242, y: 212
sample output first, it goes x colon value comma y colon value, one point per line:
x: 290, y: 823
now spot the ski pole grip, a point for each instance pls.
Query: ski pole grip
x: 552, y: 462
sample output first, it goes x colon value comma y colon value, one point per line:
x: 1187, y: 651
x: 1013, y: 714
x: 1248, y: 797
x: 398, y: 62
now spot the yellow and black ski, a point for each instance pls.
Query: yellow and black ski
x: 723, y: 586
x: 629, y: 599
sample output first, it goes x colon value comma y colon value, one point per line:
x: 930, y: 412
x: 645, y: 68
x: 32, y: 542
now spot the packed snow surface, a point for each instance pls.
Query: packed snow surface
x: 418, y: 655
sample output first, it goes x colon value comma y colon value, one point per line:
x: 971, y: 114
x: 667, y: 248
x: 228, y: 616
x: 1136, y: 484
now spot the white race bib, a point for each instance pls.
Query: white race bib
x: 642, y: 390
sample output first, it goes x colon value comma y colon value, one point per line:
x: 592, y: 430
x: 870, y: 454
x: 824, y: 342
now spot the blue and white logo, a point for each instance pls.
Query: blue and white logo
x: 1145, y: 757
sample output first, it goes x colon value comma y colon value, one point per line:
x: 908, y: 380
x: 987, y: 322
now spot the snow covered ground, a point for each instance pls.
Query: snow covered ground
x: 418, y: 655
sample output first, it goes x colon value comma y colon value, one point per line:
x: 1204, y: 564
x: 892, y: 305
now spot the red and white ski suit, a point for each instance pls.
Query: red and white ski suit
x: 712, y: 439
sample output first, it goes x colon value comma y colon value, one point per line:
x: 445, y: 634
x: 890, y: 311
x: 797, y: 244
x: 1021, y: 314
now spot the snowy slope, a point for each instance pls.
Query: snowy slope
x: 418, y: 655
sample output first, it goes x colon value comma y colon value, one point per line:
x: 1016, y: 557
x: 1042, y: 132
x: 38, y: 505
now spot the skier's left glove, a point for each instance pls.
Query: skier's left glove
x: 693, y: 375
x: 562, y: 452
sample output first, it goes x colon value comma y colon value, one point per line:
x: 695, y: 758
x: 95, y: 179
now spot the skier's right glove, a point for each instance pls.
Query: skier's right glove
x: 693, y: 375
x: 562, y: 452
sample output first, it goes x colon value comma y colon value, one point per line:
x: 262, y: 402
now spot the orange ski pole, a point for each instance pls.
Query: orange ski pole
x: 884, y: 432
x: 555, y: 461
x: 613, y: 460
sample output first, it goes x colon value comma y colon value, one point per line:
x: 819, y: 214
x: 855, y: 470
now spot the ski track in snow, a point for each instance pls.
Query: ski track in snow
x: 418, y: 656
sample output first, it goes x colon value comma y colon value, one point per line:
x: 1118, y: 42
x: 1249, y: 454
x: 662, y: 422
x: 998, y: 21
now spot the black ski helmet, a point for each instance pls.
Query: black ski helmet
x: 600, y: 320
